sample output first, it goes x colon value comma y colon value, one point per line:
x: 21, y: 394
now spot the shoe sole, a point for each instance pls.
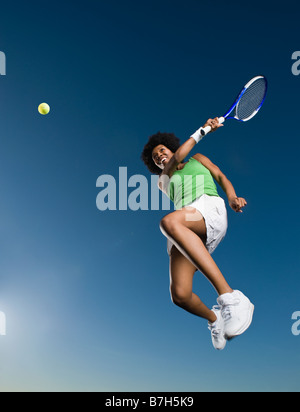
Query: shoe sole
x: 245, y: 326
x: 220, y: 349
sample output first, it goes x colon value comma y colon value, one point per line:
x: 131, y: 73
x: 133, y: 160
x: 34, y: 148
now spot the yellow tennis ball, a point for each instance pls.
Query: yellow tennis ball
x: 44, y: 108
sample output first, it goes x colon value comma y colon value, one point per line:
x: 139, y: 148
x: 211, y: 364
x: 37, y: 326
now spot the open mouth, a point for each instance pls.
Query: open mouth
x: 163, y: 160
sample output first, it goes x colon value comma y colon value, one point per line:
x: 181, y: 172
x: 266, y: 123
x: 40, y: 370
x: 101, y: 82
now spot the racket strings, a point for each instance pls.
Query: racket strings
x: 251, y: 100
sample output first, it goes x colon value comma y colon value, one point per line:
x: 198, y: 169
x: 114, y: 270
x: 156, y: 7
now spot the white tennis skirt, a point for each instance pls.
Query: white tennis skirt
x: 214, y: 211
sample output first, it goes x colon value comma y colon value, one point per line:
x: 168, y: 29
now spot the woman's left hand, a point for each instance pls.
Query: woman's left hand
x: 237, y: 203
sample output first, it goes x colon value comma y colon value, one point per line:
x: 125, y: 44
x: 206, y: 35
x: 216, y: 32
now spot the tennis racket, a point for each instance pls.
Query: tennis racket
x: 247, y: 104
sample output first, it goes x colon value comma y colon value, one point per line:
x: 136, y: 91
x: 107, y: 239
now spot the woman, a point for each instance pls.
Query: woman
x: 196, y: 228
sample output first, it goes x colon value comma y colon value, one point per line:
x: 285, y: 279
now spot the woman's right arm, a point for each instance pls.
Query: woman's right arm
x: 185, y: 149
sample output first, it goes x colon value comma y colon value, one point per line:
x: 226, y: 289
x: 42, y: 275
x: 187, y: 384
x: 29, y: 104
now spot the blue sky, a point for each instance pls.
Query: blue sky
x: 86, y: 293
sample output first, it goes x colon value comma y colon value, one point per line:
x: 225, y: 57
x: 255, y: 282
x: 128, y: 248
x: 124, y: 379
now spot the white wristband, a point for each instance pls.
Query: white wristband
x: 197, y: 136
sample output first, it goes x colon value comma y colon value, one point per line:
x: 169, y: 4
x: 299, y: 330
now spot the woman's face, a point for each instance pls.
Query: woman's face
x: 161, y: 155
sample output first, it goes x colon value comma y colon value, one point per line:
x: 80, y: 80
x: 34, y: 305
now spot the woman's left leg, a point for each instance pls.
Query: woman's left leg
x: 181, y: 287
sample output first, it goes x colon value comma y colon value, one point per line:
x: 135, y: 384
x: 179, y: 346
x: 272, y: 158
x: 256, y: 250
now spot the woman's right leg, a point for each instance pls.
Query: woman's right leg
x: 181, y: 286
x: 188, y: 237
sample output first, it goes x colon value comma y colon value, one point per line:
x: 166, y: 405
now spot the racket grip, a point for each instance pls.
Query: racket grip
x: 207, y: 129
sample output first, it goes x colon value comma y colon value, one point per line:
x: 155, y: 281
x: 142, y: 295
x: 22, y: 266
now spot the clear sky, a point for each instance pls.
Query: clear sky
x: 85, y: 292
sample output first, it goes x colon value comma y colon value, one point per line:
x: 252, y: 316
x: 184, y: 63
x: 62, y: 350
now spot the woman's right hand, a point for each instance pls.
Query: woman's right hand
x: 214, y: 124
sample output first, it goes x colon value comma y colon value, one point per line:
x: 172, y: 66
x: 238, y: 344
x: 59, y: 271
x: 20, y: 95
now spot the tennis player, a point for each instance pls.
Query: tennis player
x: 196, y: 228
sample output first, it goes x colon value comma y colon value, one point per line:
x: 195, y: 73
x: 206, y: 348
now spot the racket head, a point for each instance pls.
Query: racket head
x: 249, y: 100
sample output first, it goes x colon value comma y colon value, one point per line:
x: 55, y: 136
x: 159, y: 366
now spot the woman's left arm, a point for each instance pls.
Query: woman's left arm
x: 235, y: 202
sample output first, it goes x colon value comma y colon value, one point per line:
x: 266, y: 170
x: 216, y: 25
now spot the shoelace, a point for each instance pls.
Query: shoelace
x: 227, y: 309
x: 216, y: 332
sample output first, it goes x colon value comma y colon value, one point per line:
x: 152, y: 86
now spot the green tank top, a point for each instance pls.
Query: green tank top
x: 191, y: 182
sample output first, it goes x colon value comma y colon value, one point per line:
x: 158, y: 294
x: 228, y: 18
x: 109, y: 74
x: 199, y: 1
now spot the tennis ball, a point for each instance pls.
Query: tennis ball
x: 44, y: 108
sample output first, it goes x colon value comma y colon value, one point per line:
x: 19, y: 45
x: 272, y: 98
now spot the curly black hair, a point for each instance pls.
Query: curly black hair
x: 167, y: 139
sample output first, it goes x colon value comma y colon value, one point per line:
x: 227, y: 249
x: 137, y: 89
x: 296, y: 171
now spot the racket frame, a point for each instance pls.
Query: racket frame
x: 222, y: 119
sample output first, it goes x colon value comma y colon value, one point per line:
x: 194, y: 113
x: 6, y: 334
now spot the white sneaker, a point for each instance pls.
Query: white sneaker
x: 237, y: 313
x: 217, y: 330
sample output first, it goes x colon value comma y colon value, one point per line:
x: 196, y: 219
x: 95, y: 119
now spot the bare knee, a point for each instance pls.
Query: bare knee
x: 168, y: 225
x: 180, y: 296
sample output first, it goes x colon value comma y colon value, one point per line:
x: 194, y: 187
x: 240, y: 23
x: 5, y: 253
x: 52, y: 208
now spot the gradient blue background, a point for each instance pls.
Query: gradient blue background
x: 86, y: 293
